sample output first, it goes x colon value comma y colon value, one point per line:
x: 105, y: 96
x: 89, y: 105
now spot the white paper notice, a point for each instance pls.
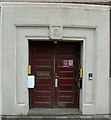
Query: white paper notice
x: 70, y: 62
x: 31, y: 81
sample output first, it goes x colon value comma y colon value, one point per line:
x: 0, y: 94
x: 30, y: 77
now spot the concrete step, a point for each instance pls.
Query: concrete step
x: 54, y: 112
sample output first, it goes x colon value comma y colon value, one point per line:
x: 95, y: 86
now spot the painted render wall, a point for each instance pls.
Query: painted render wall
x: 27, y: 21
x: 110, y: 95
x: 0, y: 64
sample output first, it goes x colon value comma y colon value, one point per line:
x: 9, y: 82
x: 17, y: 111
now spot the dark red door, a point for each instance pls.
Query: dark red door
x: 55, y: 67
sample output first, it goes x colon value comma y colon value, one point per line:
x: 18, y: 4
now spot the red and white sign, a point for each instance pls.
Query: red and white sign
x: 65, y: 63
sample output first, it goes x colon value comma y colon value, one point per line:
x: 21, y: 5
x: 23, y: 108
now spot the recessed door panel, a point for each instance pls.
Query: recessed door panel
x: 41, y: 60
x: 66, y: 69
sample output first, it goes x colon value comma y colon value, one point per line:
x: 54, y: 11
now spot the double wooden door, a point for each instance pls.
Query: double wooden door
x: 55, y: 67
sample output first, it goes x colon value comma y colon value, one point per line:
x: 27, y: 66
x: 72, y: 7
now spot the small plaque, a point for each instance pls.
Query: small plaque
x: 42, y: 73
x: 65, y: 63
x: 70, y: 62
x: 56, y: 32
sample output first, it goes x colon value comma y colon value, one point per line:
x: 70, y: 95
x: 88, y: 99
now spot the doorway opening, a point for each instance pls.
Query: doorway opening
x: 55, y: 66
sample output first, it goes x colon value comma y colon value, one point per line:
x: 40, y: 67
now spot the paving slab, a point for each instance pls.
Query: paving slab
x: 56, y: 119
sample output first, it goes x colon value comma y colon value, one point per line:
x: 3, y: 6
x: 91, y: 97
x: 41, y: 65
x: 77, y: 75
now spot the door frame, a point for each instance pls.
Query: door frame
x: 85, y: 38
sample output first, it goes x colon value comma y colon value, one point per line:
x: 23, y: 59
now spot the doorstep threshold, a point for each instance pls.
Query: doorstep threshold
x: 54, y: 112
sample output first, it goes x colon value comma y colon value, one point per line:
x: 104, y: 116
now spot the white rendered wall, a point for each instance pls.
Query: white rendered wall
x: 86, y: 23
x: 110, y: 83
x: 0, y: 66
x: 110, y: 95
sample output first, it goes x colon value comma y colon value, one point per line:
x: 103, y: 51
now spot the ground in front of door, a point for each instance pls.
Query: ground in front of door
x: 72, y: 117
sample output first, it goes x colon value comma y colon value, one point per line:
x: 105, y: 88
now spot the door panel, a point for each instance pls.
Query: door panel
x: 66, y: 75
x: 42, y: 68
x: 47, y: 60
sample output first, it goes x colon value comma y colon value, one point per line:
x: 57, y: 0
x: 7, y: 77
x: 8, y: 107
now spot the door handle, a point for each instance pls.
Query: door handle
x: 56, y: 82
